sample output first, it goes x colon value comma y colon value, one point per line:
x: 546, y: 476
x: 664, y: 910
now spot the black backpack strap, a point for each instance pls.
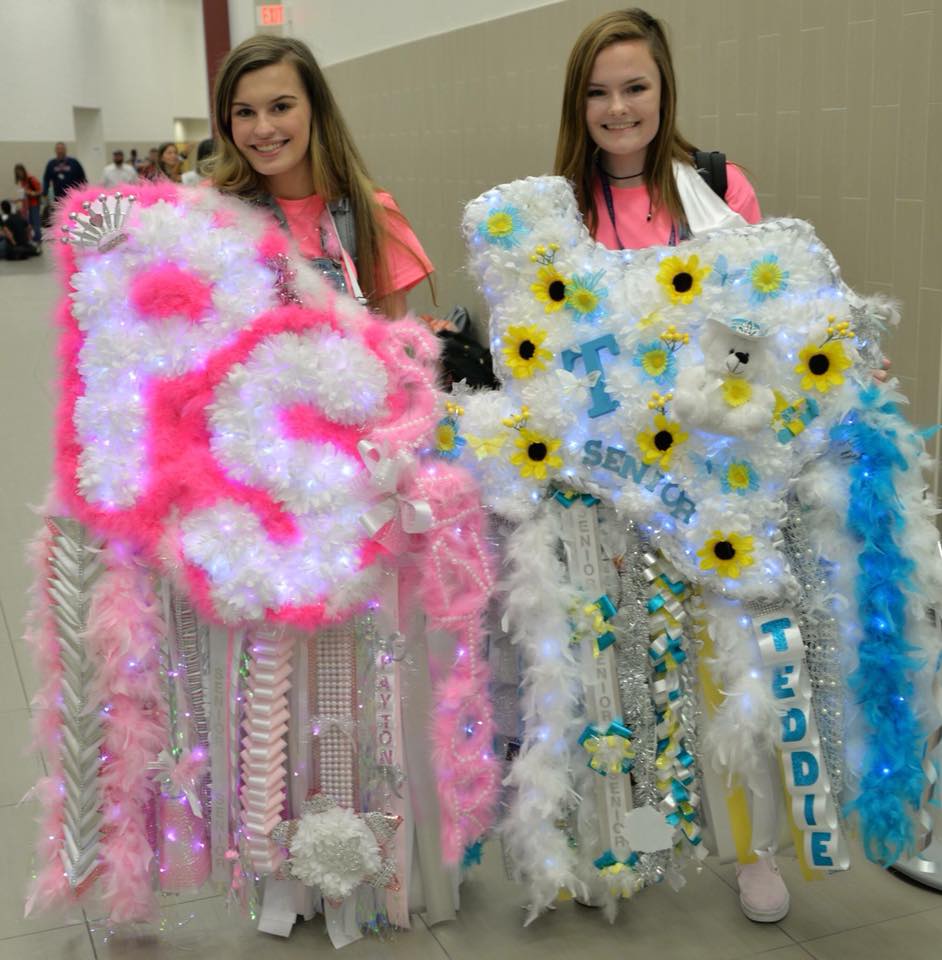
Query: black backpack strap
x: 711, y: 165
x: 346, y: 225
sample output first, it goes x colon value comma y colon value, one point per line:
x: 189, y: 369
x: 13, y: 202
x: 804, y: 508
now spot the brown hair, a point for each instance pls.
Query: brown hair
x: 575, y: 151
x: 163, y: 168
x: 337, y: 167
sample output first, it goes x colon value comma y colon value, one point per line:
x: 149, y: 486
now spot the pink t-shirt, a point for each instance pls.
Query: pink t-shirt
x: 632, y: 205
x: 405, y: 261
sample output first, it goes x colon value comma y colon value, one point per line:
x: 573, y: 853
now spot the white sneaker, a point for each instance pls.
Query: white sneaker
x: 763, y: 895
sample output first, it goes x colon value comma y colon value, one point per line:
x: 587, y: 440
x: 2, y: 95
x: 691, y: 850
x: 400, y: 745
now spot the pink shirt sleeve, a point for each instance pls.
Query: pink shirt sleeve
x: 740, y: 196
x: 406, y: 263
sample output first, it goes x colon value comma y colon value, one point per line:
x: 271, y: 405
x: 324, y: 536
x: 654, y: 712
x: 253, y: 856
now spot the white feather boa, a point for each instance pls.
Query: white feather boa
x: 741, y: 733
x: 537, y: 605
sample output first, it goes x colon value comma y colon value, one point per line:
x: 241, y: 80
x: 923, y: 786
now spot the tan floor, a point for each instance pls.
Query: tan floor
x: 865, y: 914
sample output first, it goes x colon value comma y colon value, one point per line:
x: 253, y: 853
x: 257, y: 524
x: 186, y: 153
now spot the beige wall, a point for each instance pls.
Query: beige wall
x: 834, y: 106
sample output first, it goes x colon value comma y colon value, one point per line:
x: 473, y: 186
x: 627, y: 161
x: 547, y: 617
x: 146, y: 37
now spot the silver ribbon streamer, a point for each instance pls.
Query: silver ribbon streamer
x: 75, y: 566
x: 191, y: 640
x: 819, y: 633
x: 925, y: 817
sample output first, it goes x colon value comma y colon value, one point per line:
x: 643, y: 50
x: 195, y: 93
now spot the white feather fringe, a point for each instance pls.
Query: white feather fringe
x: 537, y: 603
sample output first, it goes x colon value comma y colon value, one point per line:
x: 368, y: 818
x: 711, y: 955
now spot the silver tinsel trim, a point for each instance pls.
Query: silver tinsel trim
x: 192, y: 639
x: 628, y: 586
x: 822, y: 651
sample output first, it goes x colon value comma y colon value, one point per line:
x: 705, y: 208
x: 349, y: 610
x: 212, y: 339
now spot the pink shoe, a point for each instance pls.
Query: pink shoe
x: 763, y: 895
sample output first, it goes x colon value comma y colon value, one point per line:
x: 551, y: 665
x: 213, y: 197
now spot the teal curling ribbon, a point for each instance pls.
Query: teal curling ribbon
x: 796, y: 419
x: 608, y: 859
x: 892, y: 776
x: 665, y: 646
x: 568, y: 499
x: 472, y: 854
x: 601, y: 611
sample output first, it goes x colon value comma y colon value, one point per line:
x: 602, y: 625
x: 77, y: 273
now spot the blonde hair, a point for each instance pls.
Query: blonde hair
x: 576, y: 153
x: 336, y: 165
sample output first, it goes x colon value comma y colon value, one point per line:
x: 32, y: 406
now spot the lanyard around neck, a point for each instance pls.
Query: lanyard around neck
x: 610, y: 206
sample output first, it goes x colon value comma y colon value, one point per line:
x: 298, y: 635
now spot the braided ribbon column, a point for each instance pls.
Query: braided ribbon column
x: 75, y: 565
x: 265, y: 751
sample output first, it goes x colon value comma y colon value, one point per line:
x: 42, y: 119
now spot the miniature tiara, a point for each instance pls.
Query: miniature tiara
x: 100, y: 226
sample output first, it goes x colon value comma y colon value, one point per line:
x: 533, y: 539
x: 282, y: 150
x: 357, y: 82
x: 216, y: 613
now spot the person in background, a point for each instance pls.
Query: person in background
x: 203, y: 152
x: 118, y: 172
x: 29, y: 203
x: 148, y: 169
x: 168, y: 164
x: 133, y: 161
x: 14, y: 234
x: 282, y: 143
x: 62, y: 172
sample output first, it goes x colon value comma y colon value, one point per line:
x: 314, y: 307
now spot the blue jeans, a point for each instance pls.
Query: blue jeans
x: 35, y: 224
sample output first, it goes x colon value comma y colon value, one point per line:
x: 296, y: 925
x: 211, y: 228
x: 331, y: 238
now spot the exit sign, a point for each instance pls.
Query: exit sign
x: 270, y: 14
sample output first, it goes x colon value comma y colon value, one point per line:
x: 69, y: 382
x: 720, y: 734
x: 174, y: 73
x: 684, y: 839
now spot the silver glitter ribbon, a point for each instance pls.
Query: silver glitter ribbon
x: 925, y: 816
x: 820, y: 635
x: 75, y: 565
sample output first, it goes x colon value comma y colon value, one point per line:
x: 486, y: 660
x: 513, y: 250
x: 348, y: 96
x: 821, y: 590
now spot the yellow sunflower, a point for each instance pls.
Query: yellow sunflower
x: 682, y: 279
x: 658, y: 445
x: 536, y: 452
x: 550, y: 288
x: 523, y: 352
x: 821, y: 367
x: 736, y: 391
x: 727, y: 553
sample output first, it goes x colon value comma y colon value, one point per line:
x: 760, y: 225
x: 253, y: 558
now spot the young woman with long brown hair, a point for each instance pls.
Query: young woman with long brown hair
x: 636, y: 185
x: 282, y: 142
x: 619, y: 144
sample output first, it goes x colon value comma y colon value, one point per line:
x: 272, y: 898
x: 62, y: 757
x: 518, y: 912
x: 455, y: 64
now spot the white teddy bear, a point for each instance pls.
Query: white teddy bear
x: 726, y: 394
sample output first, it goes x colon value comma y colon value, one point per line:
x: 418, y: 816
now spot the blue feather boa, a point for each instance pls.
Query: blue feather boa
x: 892, y: 777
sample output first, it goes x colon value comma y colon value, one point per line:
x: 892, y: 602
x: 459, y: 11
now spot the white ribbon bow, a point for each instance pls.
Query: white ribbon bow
x: 415, y: 516
x: 164, y: 767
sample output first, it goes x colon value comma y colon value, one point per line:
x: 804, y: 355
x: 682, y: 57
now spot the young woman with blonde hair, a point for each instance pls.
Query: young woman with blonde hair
x: 282, y: 142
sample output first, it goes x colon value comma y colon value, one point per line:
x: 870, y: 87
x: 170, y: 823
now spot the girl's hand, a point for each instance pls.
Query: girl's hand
x: 881, y: 374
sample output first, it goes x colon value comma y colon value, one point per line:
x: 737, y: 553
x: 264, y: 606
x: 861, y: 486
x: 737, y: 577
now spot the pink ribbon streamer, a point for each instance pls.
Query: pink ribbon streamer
x: 265, y: 748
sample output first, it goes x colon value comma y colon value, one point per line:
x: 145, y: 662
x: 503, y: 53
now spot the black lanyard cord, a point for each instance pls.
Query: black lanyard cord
x: 610, y: 206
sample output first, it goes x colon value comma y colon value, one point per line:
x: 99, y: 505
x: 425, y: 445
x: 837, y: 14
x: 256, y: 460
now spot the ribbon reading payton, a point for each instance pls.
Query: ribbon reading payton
x: 806, y: 778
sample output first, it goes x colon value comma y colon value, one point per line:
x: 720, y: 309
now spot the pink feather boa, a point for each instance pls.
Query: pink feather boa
x: 456, y: 577
x: 50, y: 888
x: 125, y: 626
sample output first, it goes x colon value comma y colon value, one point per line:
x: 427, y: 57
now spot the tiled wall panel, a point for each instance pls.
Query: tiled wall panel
x: 834, y: 107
